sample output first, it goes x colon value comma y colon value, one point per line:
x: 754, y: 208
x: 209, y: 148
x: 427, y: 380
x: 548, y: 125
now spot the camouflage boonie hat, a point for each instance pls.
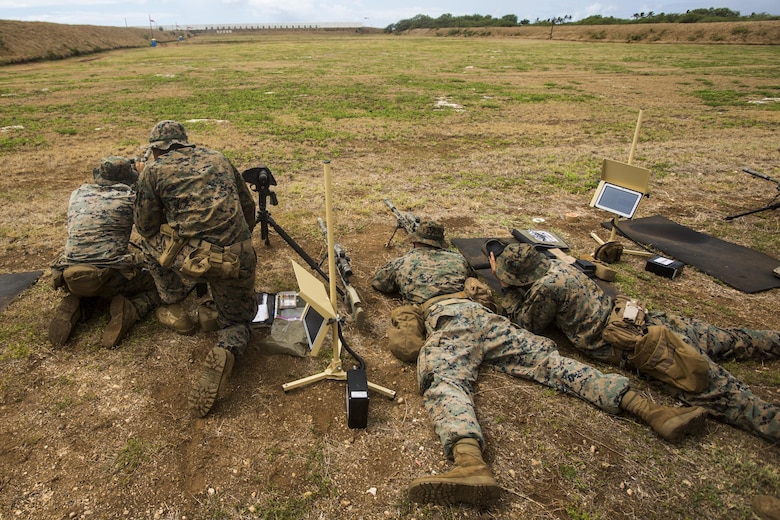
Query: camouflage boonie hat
x: 115, y: 170
x: 521, y: 264
x: 429, y: 233
x: 167, y: 133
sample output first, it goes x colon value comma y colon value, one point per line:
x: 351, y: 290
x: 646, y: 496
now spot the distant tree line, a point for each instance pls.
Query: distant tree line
x: 448, y: 21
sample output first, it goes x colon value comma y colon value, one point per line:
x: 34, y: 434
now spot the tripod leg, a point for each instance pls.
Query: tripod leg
x: 309, y: 260
x: 765, y: 208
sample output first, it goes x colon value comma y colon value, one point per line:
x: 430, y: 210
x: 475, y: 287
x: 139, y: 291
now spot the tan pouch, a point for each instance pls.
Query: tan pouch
x: 626, y: 324
x: 85, y: 280
x: 207, y: 316
x: 196, y: 264
x: 406, y: 335
x: 173, y: 244
x: 663, y: 355
x: 205, y: 260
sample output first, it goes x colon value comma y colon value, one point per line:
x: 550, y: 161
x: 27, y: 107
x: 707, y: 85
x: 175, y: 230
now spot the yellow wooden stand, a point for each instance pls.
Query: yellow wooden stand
x: 313, y: 292
x: 627, y: 176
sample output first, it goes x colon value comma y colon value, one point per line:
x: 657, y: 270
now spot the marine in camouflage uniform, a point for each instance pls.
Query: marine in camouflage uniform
x: 461, y: 336
x: 195, y: 208
x: 541, y: 292
x: 96, y: 264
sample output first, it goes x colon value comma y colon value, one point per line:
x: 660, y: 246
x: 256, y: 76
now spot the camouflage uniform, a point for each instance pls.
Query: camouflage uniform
x: 565, y: 297
x: 100, y: 220
x: 201, y: 195
x: 462, y: 335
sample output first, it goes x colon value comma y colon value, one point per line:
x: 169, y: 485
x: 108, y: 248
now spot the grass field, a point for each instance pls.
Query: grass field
x: 484, y: 134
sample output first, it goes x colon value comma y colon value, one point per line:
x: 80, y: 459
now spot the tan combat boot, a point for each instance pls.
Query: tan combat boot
x: 670, y: 423
x: 766, y: 507
x: 65, y: 318
x: 216, y: 370
x: 123, y: 317
x: 176, y: 318
x: 469, y: 481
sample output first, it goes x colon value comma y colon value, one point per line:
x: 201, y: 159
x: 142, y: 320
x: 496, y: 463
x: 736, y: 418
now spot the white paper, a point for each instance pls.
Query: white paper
x: 262, y: 310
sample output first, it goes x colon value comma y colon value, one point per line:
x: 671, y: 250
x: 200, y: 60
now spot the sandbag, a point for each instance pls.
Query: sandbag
x: 609, y: 252
x: 286, y: 337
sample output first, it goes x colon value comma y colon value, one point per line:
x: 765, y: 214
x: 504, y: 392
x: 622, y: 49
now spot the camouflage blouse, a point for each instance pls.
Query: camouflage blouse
x: 564, y: 297
x: 100, y: 219
x: 423, y: 273
x: 199, y: 193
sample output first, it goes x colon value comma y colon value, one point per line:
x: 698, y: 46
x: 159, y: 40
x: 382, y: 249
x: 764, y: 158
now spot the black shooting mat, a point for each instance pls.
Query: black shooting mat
x: 737, y: 266
x: 12, y: 284
x: 471, y: 249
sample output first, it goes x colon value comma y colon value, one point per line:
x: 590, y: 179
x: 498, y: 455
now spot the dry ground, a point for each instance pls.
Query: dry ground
x: 93, y: 433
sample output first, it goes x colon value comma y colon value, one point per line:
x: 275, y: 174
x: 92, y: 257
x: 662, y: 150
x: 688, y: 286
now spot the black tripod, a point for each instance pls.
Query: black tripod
x: 773, y: 204
x: 260, y: 179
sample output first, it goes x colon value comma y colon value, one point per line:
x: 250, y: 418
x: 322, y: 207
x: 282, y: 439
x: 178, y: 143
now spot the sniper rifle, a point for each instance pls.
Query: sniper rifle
x: 405, y: 220
x: 342, y: 261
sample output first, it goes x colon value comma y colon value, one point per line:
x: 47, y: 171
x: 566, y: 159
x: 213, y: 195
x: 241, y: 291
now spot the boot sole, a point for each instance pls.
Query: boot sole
x: 216, y: 370
x: 482, y: 491
x: 687, y: 424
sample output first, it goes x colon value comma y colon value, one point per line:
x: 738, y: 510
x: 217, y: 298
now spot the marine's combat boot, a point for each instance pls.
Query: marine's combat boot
x: 65, y: 318
x: 670, y: 423
x: 216, y: 370
x: 123, y: 317
x: 469, y: 481
x: 774, y: 349
x: 176, y: 318
x: 766, y: 507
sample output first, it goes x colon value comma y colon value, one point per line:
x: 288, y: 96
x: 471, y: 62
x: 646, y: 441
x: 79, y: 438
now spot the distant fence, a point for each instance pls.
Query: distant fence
x: 228, y: 28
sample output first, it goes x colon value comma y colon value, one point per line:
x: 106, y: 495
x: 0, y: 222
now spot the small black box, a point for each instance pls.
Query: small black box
x: 585, y: 266
x: 665, y: 267
x: 357, y: 398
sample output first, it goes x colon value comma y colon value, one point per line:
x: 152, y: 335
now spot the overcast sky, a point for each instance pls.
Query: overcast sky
x: 372, y: 13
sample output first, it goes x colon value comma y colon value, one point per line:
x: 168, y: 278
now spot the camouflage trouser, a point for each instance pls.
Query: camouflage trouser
x: 140, y: 289
x: 235, y: 298
x: 718, y: 343
x: 731, y: 401
x: 727, y: 398
x: 463, y: 335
